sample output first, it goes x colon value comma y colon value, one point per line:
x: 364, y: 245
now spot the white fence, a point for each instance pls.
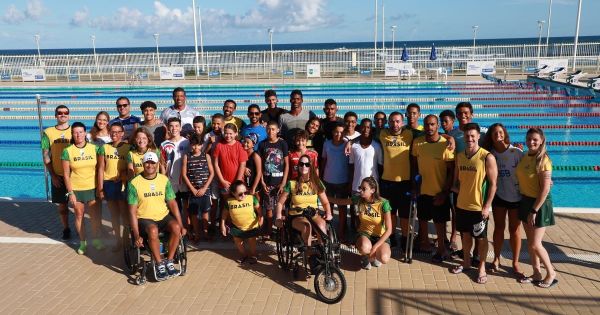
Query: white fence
x: 336, y: 63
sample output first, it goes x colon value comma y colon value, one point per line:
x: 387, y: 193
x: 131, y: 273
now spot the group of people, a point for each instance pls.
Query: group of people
x: 187, y: 174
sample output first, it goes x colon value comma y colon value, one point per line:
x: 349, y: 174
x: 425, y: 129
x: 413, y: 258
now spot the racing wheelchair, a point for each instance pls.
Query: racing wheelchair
x: 329, y: 281
x: 139, y: 260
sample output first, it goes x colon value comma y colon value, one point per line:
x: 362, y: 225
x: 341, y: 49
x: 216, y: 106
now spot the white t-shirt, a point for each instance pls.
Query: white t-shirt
x: 100, y: 140
x: 365, y: 162
x: 186, y: 115
x: 508, y: 186
x: 173, y: 152
x: 353, y: 136
x: 336, y: 167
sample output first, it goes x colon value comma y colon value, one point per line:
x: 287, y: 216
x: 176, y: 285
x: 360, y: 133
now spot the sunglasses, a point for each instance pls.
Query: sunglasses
x: 254, y: 114
x: 122, y: 105
x: 242, y: 194
x: 63, y: 113
x: 303, y: 164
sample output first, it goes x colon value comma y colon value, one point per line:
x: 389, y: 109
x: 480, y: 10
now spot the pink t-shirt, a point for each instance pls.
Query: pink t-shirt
x: 229, y: 157
x: 295, y: 158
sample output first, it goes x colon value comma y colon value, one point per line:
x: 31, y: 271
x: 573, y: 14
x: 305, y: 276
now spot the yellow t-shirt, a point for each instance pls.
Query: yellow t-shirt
x: 150, y: 195
x: 472, y: 180
x: 242, y: 213
x: 432, y: 158
x: 56, y: 141
x: 239, y: 123
x: 306, y: 198
x: 82, y: 162
x: 396, y: 151
x: 370, y: 216
x: 528, y: 176
x: 135, y: 158
x: 115, y: 160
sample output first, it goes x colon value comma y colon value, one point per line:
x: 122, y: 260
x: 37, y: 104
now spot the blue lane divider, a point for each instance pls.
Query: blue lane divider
x: 13, y: 142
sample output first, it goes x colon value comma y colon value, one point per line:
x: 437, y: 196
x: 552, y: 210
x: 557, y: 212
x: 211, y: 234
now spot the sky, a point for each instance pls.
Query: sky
x: 132, y: 23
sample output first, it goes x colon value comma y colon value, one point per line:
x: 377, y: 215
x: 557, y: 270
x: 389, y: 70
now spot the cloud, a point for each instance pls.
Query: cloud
x: 33, y: 11
x: 80, y: 17
x: 283, y: 16
x: 13, y: 15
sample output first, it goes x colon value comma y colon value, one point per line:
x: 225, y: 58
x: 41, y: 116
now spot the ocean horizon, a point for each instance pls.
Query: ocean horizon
x: 303, y: 46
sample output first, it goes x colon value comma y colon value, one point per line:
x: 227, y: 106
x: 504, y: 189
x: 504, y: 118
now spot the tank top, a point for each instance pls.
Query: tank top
x: 507, y: 183
x: 197, y: 170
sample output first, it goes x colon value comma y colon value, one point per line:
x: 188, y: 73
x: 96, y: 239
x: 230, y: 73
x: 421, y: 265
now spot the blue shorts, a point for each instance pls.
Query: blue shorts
x: 199, y: 204
x: 113, y: 190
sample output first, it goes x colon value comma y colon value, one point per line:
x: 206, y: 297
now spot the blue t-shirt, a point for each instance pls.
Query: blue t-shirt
x: 259, y: 130
x: 128, y: 124
x: 336, y: 167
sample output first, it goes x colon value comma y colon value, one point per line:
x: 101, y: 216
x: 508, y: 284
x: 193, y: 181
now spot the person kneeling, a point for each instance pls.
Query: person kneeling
x: 246, y: 220
x: 375, y: 223
x: 151, y: 198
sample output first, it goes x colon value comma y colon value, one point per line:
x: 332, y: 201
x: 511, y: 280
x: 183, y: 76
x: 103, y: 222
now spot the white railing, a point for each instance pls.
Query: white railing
x: 337, y: 63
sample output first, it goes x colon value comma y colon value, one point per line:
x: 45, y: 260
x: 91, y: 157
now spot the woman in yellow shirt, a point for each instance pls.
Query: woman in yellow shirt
x: 79, y: 163
x: 375, y: 223
x: 246, y: 219
x: 534, y: 173
x: 112, y: 178
x: 142, y: 143
x: 305, y: 191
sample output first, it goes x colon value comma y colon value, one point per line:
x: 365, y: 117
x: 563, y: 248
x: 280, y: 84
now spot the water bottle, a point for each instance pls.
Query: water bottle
x: 161, y: 247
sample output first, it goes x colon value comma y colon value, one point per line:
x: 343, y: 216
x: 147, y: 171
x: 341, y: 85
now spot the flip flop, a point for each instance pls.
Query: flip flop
x: 458, y: 269
x: 545, y: 285
x: 525, y: 279
x: 482, y: 279
x: 493, y: 268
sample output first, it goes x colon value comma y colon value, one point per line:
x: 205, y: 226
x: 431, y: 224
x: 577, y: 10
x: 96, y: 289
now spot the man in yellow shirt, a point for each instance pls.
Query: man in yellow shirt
x: 476, y: 172
x: 229, y: 108
x: 434, y: 162
x: 395, y: 180
x: 54, y: 141
x: 150, y: 198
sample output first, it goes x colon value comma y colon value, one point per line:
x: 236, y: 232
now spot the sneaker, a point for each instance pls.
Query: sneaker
x: 66, y: 234
x: 171, y: 268
x: 365, y: 263
x: 82, y: 247
x: 161, y: 271
x: 98, y: 244
x: 376, y: 263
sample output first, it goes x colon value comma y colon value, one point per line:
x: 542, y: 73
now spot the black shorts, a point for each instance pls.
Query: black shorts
x: 471, y: 222
x: 426, y: 210
x: 337, y: 190
x: 499, y: 202
x: 59, y: 194
x: 199, y: 205
x: 180, y: 196
x: 398, y: 194
x: 162, y: 225
x: 372, y: 239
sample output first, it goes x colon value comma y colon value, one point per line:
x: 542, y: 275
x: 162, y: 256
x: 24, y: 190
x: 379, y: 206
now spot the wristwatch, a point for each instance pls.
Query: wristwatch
x: 533, y: 211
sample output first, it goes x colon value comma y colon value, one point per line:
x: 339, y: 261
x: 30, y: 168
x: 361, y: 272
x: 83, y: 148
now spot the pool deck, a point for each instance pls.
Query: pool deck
x: 45, y: 275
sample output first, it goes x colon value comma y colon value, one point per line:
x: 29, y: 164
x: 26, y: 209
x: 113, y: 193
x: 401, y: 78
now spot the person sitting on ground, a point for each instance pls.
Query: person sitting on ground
x: 246, y: 219
x: 375, y: 223
x: 152, y: 209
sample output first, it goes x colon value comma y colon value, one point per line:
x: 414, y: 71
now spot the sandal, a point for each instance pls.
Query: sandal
x: 546, y: 285
x: 493, y: 267
x: 482, y: 279
x: 458, y: 269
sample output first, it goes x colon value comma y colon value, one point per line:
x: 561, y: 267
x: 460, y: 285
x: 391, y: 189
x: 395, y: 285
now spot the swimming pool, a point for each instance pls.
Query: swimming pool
x: 570, y: 122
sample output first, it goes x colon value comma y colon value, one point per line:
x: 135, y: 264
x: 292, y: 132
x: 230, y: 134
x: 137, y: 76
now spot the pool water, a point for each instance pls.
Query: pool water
x: 570, y: 122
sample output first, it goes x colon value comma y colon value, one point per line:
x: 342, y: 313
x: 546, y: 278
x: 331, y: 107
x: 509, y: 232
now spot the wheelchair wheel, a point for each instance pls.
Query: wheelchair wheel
x: 182, y: 256
x: 330, y: 285
x: 334, y: 243
x: 284, y: 248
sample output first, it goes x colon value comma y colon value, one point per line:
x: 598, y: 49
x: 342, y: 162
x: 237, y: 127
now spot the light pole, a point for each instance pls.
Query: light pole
x: 540, y: 27
x: 195, y: 37
x: 201, y: 37
x: 475, y: 28
x: 548, y: 30
x: 270, y: 30
x: 156, y: 35
x: 375, y: 41
x: 393, y: 27
x: 576, y: 36
x: 93, y: 37
x: 37, y: 42
x: 383, y: 30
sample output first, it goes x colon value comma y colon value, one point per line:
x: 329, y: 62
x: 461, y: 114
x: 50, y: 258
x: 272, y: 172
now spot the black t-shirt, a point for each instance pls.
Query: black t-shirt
x: 268, y: 114
x: 273, y: 155
x: 328, y: 125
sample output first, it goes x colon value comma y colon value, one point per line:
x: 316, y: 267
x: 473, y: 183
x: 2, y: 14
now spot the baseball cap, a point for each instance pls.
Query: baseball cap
x: 252, y: 136
x: 150, y: 157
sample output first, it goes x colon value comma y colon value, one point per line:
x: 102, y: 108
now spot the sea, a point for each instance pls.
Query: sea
x: 304, y: 46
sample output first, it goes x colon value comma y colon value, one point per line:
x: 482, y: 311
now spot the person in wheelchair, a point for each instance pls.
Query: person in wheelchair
x: 246, y: 219
x: 151, y: 198
x: 375, y: 223
x: 305, y: 192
